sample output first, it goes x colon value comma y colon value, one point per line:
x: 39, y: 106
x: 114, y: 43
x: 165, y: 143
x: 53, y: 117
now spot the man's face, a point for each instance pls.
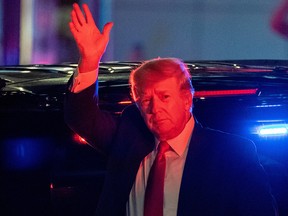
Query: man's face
x: 165, y: 108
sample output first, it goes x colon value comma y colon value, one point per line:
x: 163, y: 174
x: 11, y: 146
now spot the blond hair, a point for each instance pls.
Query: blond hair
x: 160, y: 69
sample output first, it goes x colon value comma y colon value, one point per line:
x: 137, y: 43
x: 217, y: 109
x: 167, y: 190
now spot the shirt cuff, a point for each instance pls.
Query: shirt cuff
x: 82, y: 81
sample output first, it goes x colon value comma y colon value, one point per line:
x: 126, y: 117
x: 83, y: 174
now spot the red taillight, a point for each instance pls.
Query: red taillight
x: 125, y: 102
x: 221, y: 93
x: 80, y: 140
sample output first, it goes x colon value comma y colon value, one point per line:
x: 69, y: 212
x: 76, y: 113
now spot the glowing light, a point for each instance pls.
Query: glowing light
x: 111, y: 70
x: 236, y: 66
x: 125, y: 102
x: 217, y: 93
x: 265, y: 106
x: 24, y: 153
x: 273, y: 130
x: 51, y: 186
x: 80, y: 140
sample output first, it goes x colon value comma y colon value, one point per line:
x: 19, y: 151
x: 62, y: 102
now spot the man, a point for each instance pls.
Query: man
x: 160, y: 160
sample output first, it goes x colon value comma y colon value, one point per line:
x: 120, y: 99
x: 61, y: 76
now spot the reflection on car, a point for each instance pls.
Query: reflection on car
x: 45, y: 163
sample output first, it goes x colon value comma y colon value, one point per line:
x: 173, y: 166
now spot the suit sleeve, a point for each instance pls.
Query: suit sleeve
x: 83, y: 116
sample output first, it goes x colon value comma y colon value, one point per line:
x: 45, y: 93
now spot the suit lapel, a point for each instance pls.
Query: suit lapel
x: 132, y: 143
x: 192, y: 173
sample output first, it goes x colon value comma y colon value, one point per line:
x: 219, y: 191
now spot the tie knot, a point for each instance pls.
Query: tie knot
x: 163, y: 147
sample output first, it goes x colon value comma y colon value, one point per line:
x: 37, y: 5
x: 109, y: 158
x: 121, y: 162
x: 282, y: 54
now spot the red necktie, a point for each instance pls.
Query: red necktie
x: 154, y: 194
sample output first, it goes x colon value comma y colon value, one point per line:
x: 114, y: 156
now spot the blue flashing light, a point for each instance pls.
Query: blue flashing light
x: 273, y: 130
x: 26, y: 153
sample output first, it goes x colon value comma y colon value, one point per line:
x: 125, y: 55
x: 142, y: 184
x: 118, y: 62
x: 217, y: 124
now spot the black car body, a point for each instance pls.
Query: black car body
x: 44, y: 162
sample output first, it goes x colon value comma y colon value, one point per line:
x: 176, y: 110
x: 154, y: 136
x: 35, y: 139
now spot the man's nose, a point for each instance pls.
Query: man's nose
x: 155, y: 105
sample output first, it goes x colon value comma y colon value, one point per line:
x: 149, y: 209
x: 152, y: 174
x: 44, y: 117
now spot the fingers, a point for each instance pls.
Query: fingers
x: 107, y: 28
x: 80, y: 24
x: 73, y: 29
x: 79, y: 19
x: 75, y: 21
x: 88, y: 14
x: 79, y: 14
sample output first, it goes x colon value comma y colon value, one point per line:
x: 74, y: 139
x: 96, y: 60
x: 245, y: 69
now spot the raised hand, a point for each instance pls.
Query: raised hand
x: 90, y: 41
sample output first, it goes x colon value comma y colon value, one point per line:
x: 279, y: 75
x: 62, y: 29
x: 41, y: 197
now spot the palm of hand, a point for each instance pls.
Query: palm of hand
x: 90, y: 41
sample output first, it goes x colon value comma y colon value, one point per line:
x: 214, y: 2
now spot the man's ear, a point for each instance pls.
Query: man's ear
x: 134, y: 94
x: 188, y: 98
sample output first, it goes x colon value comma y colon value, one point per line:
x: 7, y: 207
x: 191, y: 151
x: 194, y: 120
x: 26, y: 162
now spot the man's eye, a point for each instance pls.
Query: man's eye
x: 166, y: 96
x: 145, y: 101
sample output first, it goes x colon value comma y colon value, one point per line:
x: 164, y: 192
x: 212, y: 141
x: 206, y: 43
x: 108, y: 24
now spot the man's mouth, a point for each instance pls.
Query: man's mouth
x: 158, y: 121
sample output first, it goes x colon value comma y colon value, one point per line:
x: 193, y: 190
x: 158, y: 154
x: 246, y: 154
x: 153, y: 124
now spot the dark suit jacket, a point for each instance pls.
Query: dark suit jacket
x: 222, y: 175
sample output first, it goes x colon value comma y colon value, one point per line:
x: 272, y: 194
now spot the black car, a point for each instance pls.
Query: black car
x: 45, y: 163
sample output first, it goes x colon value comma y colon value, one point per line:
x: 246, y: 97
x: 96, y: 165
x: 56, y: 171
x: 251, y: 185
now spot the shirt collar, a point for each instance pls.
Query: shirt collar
x: 180, y: 143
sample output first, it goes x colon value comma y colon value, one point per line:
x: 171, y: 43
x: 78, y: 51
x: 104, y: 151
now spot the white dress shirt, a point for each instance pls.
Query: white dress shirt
x: 175, y: 161
x: 82, y: 81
